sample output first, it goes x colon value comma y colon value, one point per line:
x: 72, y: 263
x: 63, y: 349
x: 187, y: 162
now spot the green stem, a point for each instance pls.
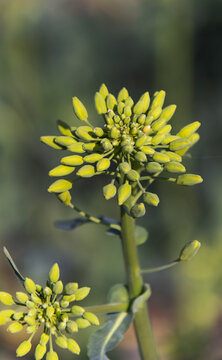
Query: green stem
x: 159, y: 268
x: 142, y: 322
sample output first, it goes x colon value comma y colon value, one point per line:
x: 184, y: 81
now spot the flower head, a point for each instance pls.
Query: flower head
x: 134, y: 146
x: 54, y: 308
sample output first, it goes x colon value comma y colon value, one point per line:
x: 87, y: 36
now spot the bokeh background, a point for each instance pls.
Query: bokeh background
x: 51, y: 50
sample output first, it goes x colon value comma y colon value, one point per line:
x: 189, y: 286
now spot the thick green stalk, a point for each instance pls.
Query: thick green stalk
x: 142, y: 323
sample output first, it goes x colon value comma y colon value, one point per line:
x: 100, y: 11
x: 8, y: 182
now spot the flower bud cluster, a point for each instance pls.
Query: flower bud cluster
x: 54, y: 308
x: 135, y: 144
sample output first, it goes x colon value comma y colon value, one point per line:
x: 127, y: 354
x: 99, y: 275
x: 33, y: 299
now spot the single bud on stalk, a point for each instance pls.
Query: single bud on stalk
x: 189, y: 250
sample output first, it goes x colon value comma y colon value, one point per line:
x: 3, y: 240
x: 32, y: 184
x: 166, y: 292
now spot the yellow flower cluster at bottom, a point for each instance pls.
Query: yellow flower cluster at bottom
x: 52, y: 308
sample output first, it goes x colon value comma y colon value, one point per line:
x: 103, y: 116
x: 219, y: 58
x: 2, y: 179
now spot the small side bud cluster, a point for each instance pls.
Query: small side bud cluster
x: 134, y: 145
x: 55, y: 307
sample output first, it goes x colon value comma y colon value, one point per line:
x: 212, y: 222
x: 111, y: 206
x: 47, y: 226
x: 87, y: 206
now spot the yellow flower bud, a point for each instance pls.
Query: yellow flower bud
x: 98, y: 131
x: 82, y: 323
x: 124, y: 167
x: 51, y: 355
x: 155, y: 112
x: 138, y: 108
x: 73, y: 347
x: 138, y: 210
x: 140, y: 156
x: 92, y: 158
x: 64, y: 140
x: 169, y: 138
x: 153, y: 167
x: 103, y: 164
x: 157, y: 139
x: 60, y: 186
x: 82, y: 293
x: 61, y: 170
x: 21, y: 297
x: 36, y: 299
x: 18, y: 315
x: 173, y: 156
x: 160, y: 157
x: 49, y: 140
x: 86, y: 171
x: 90, y: 146
x: 64, y: 129
x: 44, y: 339
x: 151, y: 199
x: 168, y: 112
x: 61, y: 341
x: 141, y: 141
x: 111, y: 101
x: 71, y: 327
x: 109, y: 191
x: 40, y: 351
x: 133, y: 175
x: 145, y: 98
x: 189, y: 129
x: 92, y: 318
x: 189, y: 179
x: 114, y: 133
x: 158, y: 124
x: 147, y: 150
x: 69, y: 298
x: 54, y: 273
x: 30, y: 286
x: 5, y: 316
x: 23, y: 348
x: 58, y: 287
x: 85, y: 133
x: 15, y: 327
x: 175, y: 167
x: 158, y: 99
x: 77, y: 147
x: 164, y: 130
x: 120, y: 108
x: 100, y: 103
x: 179, y: 144
x: 123, y: 94
x: 71, y: 288
x: 129, y: 101
x: 6, y: 298
x: 65, y: 197
x: 72, y: 160
x: 190, y: 250
x: 127, y: 110
x: 124, y: 193
x: 77, y: 310
x: 79, y: 109
x: 103, y: 91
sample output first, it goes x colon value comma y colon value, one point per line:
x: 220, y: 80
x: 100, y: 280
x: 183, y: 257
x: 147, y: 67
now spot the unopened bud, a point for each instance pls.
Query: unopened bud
x: 151, y: 199
x: 79, y: 109
x: 138, y: 210
x: 190, y: 250
x: 100, y: 103
x: 124, y: 193
x: 189, y: 179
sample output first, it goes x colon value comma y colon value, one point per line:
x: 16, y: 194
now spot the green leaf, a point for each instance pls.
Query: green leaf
x: 14, y: 267
x: 141, y: 235
x: 139, y: 301
x: 108, y: 336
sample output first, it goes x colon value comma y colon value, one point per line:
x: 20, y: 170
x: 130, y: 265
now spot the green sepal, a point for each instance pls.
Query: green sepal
x: 100, y: 104
x: 79, y: 109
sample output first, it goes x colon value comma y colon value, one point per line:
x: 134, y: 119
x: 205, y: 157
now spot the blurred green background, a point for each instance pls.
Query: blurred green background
x: 52, y: 50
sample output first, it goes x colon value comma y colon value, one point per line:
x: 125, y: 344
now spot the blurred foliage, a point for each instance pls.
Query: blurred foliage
x: 52, y: 50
